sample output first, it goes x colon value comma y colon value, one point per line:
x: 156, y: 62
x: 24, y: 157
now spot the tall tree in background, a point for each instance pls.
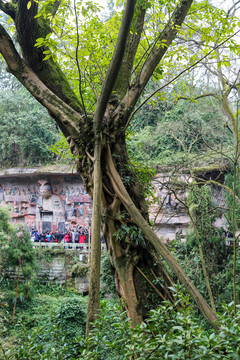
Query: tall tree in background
x: 96, y: 129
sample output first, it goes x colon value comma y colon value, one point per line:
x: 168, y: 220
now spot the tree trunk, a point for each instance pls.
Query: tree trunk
x: 204, y: 268
x: 159, y: 247
x: 94, y: 286
x: 122, y: 201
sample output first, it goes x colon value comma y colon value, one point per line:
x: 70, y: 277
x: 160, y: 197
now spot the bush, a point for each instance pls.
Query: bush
x: 170, y: 333
x: 71, y: 317
x: 50, y: 332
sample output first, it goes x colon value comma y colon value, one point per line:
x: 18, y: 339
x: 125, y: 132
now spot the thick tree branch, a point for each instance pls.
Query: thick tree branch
x: 154, y: 240
x: 58, y: 109
x: 49, y: 72
x: 164, y: 40
x: 115, y: 64
x: 124, y: 76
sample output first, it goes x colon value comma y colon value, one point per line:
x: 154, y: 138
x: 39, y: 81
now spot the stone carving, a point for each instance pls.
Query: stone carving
x: 48, y: 202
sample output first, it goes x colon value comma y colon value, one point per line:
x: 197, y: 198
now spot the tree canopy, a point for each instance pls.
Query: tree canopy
x: 26, y: 130
x: 90, y: 75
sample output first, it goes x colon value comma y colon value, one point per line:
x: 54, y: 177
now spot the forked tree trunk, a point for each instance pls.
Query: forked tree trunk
x: 45, y: 81
x: 159, y: 247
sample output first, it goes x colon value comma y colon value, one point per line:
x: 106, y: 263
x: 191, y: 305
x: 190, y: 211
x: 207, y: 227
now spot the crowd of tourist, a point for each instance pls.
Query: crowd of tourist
x: 71, y: 236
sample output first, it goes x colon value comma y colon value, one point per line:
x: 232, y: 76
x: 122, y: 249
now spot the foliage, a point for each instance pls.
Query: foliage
x: 177, y: 131
x: 47, y: 327
x: 61, y: 149
x: 212, y: 239
x: 21, y: 253
x: 106, y: 277
x: 170, y: 333
x: 216, y: 254
x: 26, y: 130
x: 222, y: 262
x: 79, y: 270
x: 17, y: 250
x: 204, y: 212
x: 130, y: 234
x: 111, y: 331
x: 145, y: 175
x: 71, y: 317
x: 229, y: 199
x: 6, y: 228
x: 48, y: 342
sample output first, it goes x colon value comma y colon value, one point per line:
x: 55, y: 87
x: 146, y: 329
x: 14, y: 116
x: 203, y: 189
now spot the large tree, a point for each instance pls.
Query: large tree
x: 96, y: 130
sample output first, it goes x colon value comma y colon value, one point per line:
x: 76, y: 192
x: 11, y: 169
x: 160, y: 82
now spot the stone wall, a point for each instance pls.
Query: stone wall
x: 58, y: 270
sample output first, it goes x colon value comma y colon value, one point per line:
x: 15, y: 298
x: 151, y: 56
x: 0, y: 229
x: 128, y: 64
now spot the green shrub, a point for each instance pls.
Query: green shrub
x: 71, y: 317
x: 171, y: 332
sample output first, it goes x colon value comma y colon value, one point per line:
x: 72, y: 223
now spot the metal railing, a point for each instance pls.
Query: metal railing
x: 69, y: 246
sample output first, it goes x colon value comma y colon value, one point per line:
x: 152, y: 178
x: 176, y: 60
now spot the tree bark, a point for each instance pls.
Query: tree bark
x: 94, y: 285
x: 157, y: 244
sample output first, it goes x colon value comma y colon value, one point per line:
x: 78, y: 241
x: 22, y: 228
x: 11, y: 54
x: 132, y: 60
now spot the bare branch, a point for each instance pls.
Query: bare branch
x: 198, y: 97
x: 233, y: 7
x: 176, y: 77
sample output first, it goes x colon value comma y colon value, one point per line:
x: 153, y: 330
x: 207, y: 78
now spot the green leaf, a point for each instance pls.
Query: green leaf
x: 29, y: 4
x: 47, y: 57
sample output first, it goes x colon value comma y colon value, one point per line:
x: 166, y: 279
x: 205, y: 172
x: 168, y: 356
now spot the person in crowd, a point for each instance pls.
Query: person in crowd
x: 70, y: 236
x: 66, y: 237
x: 52, y: 236
x: 56, y: 236
x: 73, y: 235
x: 43, y: 236
x: 82, y: 238
x: 86, y: 236
x: 77, y: 234
x: 48, y: 237
x: 37, y: 236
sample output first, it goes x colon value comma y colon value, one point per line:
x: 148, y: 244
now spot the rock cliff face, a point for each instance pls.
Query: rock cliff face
x: 170, y: 213
x: 45, y: 199
x: 54, y: 198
